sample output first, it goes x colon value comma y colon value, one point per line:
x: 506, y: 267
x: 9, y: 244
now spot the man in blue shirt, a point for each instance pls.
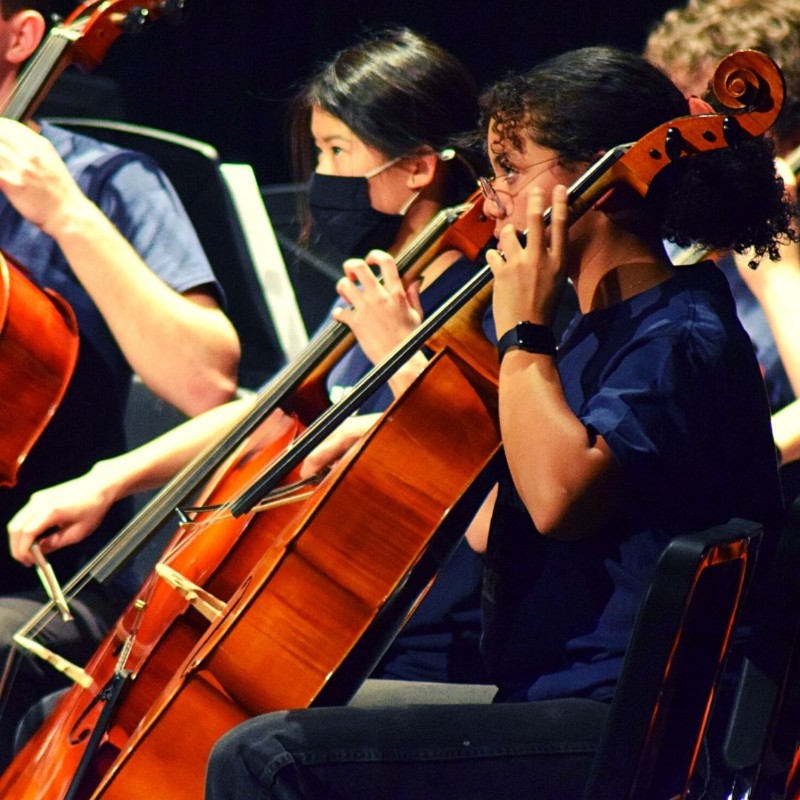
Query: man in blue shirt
x: 104, y: 229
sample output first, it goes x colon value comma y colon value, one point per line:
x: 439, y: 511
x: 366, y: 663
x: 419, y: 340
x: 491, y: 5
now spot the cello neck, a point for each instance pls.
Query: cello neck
x: 39, y: 75
x: 83, y: 39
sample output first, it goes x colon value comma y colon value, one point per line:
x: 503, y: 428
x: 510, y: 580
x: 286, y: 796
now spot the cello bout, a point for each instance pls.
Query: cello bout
x: 38, y: 351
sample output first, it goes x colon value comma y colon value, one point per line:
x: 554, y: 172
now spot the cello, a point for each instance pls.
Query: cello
x: 463, y: 228
x: 39, y: 341
x: 270, y: 615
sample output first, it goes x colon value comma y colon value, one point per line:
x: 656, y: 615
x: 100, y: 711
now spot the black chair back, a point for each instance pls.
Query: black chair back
x: 194, y: 170
x: 674, y: 661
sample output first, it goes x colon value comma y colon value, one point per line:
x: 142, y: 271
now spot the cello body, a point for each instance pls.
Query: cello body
x: 336, y: 576
x: 38, y: 351
x: 213, y: 550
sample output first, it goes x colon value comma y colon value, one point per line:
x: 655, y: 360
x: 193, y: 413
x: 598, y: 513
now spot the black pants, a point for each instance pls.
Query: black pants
x: 541, y: 750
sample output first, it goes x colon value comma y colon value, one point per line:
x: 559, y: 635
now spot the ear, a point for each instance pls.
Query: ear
x: 27, y: 31
x: 422, y: 170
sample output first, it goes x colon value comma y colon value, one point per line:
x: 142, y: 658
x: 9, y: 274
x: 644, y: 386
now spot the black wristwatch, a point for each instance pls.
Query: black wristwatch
x: 528, y: 336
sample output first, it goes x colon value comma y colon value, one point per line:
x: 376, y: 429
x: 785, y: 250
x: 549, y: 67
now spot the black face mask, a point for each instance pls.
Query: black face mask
x: 344, y: 224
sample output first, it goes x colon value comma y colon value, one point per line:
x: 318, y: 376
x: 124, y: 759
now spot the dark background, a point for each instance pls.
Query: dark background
x: 225, y: 73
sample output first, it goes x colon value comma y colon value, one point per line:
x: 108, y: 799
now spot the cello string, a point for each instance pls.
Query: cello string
x: 285, y: 493
x: 287, y: 381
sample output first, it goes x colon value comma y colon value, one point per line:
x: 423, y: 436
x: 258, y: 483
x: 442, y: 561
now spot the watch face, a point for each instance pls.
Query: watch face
x: 535, y: 336
x: 530, y: 337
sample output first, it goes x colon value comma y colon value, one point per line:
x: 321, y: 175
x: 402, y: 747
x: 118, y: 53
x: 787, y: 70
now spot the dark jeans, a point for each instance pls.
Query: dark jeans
x: 540, y: 750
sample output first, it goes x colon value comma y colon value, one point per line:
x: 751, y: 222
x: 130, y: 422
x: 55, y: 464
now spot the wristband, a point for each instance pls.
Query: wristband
x: 527, y: 336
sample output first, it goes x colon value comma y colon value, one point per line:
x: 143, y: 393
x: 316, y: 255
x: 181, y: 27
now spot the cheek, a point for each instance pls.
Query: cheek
x: 515, y: 214
x: 518, y: 217
x: 387, y: 196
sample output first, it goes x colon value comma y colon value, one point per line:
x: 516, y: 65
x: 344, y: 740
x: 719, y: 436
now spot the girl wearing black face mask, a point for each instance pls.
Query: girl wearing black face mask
x: 344, y: 220
x: 370, y: 114
x: 380, y: 126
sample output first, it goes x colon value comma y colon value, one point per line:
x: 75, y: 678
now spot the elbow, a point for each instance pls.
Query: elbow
x: 578, y: 501
x: 565, y: 529
x: 553, y: 517
x: 213, y: 390
x: 546, y: 503
x: 209, y: 396
x: 213, y: 385
x: 570, y: 517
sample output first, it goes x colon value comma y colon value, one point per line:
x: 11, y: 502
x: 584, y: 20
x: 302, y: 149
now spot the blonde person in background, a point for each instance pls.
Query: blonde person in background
x: 687, y: 43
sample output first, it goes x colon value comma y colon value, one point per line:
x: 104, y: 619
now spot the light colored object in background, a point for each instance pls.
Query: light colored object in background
x: 268, y: 262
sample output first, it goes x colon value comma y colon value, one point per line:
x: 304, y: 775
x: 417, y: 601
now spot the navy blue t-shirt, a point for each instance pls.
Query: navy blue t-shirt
x: 669, y: 379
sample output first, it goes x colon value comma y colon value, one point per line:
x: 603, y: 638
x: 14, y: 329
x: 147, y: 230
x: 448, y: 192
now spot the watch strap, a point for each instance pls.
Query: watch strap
x: 528, y: 336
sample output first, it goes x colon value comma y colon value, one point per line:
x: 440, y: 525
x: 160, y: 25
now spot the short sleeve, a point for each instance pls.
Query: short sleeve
x: 138, y: 198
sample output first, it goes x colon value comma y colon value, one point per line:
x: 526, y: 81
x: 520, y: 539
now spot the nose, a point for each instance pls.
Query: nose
x: 324, y: 165
x: 494, y: 208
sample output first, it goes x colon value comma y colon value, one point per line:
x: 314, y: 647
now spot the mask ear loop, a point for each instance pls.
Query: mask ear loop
x: 382, y: 168
x: 404, y: 209
x: 448, y: 154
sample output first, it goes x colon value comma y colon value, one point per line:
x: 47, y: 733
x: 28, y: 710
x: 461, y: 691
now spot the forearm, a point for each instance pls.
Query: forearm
x: 776, y: 286
x: 568, y: 483
x: 182, y: 347
x: 407, y: 374
x: 786, y: 432
x: 153, y: 464
x: 781, y: 299
x: 477, y: 534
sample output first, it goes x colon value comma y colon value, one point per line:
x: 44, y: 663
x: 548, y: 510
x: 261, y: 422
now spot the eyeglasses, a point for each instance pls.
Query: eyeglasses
x: 490, y: 193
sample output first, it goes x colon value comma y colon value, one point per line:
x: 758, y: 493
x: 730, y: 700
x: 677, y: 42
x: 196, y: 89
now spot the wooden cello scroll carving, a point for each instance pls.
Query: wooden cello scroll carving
x: 748, y: 83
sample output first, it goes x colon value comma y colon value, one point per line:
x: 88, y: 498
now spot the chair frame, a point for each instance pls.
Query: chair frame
x: 673, y: 665
x: 760, y: 745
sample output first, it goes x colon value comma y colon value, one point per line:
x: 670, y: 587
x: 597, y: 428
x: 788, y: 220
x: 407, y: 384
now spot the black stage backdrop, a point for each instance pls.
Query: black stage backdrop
x: 224, y: 74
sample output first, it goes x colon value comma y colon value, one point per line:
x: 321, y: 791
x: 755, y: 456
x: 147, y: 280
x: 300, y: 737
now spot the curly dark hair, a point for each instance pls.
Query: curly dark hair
x: 585, y: 102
